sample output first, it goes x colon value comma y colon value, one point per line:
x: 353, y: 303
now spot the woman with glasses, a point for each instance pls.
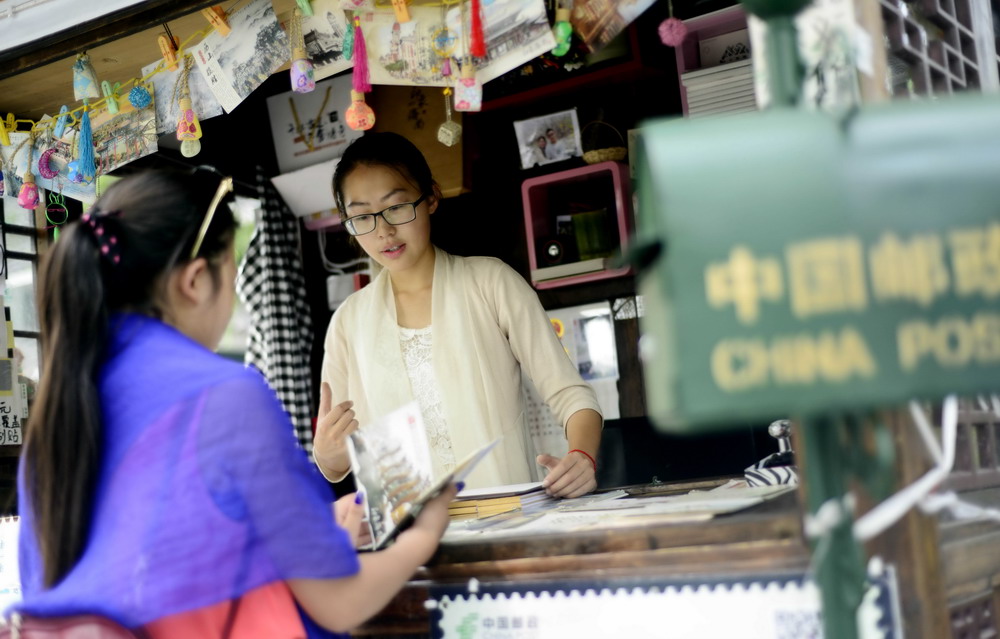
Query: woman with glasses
x: 155, y: 483
x: 453, y: 333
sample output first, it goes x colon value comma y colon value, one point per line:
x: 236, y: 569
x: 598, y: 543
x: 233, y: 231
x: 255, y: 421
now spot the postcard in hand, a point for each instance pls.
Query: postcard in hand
x: 391, y: 461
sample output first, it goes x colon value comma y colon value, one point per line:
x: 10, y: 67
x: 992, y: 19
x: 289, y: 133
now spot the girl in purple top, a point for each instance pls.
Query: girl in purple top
x: 161, y: 485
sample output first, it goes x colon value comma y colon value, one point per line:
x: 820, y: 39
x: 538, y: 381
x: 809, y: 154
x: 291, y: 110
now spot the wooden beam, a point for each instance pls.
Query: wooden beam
x: 88, y: 35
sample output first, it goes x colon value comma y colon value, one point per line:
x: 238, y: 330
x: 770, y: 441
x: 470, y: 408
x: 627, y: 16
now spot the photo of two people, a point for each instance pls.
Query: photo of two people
x: 549, y: 138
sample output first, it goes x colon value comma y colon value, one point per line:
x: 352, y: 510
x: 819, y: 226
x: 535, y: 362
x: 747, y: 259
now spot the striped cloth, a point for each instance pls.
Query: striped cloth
x: 271, y: 286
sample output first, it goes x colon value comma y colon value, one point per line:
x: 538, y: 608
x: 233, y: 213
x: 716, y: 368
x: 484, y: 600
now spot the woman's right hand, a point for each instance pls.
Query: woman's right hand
x: 333, y: 426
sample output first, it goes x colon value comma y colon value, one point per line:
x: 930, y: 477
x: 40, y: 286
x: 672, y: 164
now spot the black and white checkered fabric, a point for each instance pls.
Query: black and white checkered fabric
x: 271, y: 286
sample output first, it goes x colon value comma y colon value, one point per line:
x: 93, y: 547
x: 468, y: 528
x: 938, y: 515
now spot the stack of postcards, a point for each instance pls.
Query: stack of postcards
x: 726, y: 88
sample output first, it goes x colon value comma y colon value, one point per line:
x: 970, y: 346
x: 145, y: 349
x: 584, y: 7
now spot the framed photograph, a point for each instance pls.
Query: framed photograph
x: 548, y: 138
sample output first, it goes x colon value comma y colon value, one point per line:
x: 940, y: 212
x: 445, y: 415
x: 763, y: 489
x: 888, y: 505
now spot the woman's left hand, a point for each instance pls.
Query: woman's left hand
x: 349, y: 513
x: 571, y: 476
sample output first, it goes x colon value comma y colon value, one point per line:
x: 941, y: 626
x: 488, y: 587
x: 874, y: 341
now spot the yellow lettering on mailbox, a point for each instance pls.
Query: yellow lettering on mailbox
x: 951, y: 342
x: 831, y: 357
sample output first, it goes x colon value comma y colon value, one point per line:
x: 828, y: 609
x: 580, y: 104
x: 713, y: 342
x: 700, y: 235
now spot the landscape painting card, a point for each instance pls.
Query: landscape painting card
x: 237, y: 64
x: 324, y: 33
x: 123, y: 137
x: 414, y: 52
x: 166, y: 95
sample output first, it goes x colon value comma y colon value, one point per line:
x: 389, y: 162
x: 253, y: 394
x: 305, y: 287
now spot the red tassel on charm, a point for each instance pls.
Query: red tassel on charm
x: 478, y: 44
x: 360, y: 80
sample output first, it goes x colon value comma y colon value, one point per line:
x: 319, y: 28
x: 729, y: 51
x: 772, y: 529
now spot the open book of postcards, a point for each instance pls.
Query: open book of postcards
x: 391, y: 461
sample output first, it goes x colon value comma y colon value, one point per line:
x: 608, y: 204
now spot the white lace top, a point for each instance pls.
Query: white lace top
x: 416, y: 346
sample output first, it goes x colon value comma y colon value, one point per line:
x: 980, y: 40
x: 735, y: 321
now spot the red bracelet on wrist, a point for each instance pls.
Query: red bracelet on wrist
x: 585, y: 454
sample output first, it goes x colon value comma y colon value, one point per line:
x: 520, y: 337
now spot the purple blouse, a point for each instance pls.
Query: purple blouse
x: 203, y: 494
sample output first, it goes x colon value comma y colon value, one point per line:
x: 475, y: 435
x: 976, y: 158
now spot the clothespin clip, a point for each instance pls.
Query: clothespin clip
x: 216, y: 17
x: 6, y: 128
x: 60, y: 128
x: 402, y: 12
x: 168, y: 48
x: 111, y: 95
x: 305, y: 6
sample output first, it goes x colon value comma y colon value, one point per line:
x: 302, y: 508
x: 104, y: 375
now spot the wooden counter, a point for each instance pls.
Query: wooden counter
x: 764, y: 539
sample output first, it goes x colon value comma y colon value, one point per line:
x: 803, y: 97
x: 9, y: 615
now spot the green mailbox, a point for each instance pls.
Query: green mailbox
x: 813, y: 265
x: 798, y: 264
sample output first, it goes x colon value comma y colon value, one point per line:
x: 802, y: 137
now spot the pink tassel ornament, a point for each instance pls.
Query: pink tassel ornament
x: 361, y: 80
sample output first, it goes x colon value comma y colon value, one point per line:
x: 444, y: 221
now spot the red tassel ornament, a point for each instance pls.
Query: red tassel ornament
x: 478, y: 45
x: 361, y: 81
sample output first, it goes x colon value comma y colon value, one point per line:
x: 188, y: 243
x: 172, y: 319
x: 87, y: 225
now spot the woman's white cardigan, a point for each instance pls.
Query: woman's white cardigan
x: 487, y: 324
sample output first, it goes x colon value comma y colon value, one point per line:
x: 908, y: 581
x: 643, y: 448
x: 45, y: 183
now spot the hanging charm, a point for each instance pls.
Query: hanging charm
x: 360, y: 116
x: 450, y: 132
x: 563, y: 31
x: 44, y: 166
x: 302, y: 73
x: 672, y: 31
x: 468, y: 91
x: 27, y: 198
x: 139, y: 96
x: 84, y: 168
x: 85, y: 84
x: 56, y: 208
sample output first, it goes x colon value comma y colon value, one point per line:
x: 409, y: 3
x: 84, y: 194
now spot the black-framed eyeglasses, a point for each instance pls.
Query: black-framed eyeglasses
x: 395, y: 215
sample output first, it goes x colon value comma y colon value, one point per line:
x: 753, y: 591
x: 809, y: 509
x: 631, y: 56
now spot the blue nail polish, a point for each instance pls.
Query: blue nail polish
x: 359, y: 497
x: 460, y: 486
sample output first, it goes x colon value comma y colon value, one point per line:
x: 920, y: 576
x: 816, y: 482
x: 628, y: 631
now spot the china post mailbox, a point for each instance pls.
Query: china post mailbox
x: 800, y: 263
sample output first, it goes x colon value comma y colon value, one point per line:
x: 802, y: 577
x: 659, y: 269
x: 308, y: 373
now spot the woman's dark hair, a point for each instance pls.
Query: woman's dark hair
x: 154, y: 218
x: 383, y: 149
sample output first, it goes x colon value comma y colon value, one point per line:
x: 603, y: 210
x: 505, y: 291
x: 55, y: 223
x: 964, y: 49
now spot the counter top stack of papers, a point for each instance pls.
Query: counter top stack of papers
x: 484, y: 502
x: 727, y: 88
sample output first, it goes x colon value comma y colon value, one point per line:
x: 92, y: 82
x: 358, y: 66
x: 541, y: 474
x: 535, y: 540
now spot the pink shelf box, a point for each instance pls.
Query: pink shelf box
x: 539, y: 219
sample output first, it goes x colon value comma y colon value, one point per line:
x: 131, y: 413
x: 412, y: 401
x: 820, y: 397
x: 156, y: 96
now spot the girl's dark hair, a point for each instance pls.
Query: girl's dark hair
x: 383, y: 149
x: 154, y: 218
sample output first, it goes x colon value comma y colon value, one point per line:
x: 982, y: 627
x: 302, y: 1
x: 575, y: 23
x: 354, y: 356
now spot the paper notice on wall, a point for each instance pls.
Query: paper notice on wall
x: 237, y: 64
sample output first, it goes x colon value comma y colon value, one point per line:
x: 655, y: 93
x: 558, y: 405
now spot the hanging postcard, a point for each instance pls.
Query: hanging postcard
x: 324, y: 33
x: 309, y: 128
x: 48, y: 159
x: 123, y: 137
x: 421, y: 51
x: 237, y: 64
x: 597, y: 22
x: 164, y: 87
